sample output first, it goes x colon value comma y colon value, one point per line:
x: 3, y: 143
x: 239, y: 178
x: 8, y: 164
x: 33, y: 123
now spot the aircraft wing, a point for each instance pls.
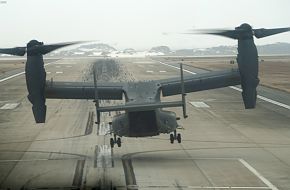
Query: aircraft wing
x: 115, y: 90
x: 199, y: 82
x: 84, y: 90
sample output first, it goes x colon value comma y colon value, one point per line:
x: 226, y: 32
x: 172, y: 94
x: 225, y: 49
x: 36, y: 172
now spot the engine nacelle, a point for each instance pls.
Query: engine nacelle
x: 35, y: 73
x: 248, y: 56
x: 35, y: 81
x: 248, y: 67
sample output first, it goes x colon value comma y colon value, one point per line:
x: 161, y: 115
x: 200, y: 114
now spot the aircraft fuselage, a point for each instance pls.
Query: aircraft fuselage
x: 144, y: 123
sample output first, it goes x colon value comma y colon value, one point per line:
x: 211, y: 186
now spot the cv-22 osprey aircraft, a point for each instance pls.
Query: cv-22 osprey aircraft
x: 142, y: 114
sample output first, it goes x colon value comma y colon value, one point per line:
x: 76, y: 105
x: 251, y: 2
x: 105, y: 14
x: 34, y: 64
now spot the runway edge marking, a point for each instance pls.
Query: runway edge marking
x: 199, y: 104
x: 238, y: 89
x: 12, y: 76
x: 18, y: 74
x: 256, y: 173
x: 9, y: 106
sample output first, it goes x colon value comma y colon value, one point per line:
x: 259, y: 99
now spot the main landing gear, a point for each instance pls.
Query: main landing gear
x: 115, y: 140
x: 175, y: 136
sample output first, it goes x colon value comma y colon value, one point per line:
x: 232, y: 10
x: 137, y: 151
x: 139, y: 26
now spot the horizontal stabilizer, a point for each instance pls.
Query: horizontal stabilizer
x: 140, y: 107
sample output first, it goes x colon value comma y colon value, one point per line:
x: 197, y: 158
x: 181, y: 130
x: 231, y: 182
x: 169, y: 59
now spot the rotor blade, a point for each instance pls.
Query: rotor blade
x: 44, y: 49
x: 19, y: 51
x: 225, y: 33
x: 262, y: 32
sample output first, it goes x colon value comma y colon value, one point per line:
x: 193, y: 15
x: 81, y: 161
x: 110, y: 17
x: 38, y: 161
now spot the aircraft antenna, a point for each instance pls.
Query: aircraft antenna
x: 183, y: 92
x: 97, y: 104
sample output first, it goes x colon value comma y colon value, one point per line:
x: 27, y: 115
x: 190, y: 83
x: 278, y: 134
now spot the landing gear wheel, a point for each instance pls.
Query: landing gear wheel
x: 171, y: 138
x: 119, y: 143
x: 178, y: 138
x: 112, y: 142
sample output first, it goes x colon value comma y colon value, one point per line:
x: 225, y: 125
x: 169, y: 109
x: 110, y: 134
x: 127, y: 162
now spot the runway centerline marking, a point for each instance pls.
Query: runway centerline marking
x: 103, y: 156
x: 58, y: 72
x: 238, y: 89
x: 149, y: 71
x: 104, y: 129
x: 18, y: 74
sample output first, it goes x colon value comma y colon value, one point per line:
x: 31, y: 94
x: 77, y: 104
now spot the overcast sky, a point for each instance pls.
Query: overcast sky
x: 137, y: 24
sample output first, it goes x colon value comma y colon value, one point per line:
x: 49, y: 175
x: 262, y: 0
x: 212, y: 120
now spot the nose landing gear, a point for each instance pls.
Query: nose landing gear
x: 115, y: 140
x: 175, y: 136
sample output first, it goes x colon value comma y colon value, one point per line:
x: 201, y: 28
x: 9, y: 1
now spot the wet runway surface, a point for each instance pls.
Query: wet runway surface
x: 223, y: 145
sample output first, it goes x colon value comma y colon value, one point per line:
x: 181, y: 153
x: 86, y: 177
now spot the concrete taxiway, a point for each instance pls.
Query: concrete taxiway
x: 223, y: 145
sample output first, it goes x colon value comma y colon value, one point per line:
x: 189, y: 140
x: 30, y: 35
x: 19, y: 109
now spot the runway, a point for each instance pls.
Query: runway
x: 223, y: 145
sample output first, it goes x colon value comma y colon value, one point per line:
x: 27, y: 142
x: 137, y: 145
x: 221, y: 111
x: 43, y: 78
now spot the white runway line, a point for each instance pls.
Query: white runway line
x: 274, y: 102
x: 48, y: 72
x: 256, y: 173
x: 269, y: 186
x: 58, y: 72
x: 162, y: 71
x: 199, y: 104
x: 238, y: 89
x: 150, y: 71
x: 66, y: 63
x: 176, y: 67
x: 21, y: 73
x: 12, y: 76
x: 9, y: 106
x: 143, y: 62
x: 265, y: 99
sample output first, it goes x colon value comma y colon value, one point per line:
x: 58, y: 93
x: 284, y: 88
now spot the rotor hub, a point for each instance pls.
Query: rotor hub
x: 244, y: 26
x: 244, y: 31
x: 34, y: 43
